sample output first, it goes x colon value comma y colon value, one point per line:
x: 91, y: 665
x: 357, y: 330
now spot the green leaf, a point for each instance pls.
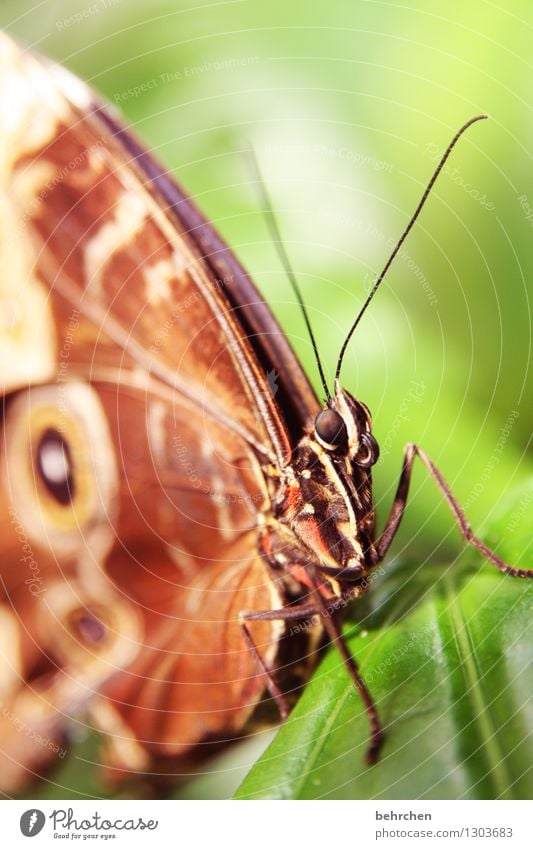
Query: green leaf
x: 448, y: 658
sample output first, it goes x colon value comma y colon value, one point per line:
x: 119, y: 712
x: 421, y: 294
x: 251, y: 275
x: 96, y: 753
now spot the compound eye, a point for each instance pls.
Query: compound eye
x: 331, y: 430
x: 368, y: 453
x: 55, y: 467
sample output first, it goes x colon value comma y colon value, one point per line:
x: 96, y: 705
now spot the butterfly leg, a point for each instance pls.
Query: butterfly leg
x: 337, y: 639
x: 289, y: 614
x: 326, y: 610
x: 400, y: 501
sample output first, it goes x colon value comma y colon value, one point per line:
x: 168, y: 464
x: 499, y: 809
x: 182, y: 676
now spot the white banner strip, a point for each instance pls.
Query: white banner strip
x: 268, y: 825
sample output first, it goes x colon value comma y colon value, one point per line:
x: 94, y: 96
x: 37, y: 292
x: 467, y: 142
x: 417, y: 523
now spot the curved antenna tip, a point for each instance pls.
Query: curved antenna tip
x: 404, y: 235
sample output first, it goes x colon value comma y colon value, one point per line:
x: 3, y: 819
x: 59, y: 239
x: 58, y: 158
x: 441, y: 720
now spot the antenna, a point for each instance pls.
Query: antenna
x: 284, y: 258
x: 404, y: 235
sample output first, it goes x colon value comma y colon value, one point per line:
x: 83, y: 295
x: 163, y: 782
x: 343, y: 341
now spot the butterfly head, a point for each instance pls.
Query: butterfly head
x: 333, y: 511
x: 344, y: 430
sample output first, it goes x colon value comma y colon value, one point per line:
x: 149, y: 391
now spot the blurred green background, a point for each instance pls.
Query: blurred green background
x: 348, y: 104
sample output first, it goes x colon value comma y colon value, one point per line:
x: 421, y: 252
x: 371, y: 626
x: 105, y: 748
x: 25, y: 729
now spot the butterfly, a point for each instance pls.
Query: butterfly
x: 174, y: 493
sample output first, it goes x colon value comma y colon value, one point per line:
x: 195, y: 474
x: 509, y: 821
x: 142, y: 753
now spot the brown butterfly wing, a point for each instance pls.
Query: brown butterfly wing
x: 139, y: 298
x: 271, y: 346
x: 186, y: 557
x: 123, y: 244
